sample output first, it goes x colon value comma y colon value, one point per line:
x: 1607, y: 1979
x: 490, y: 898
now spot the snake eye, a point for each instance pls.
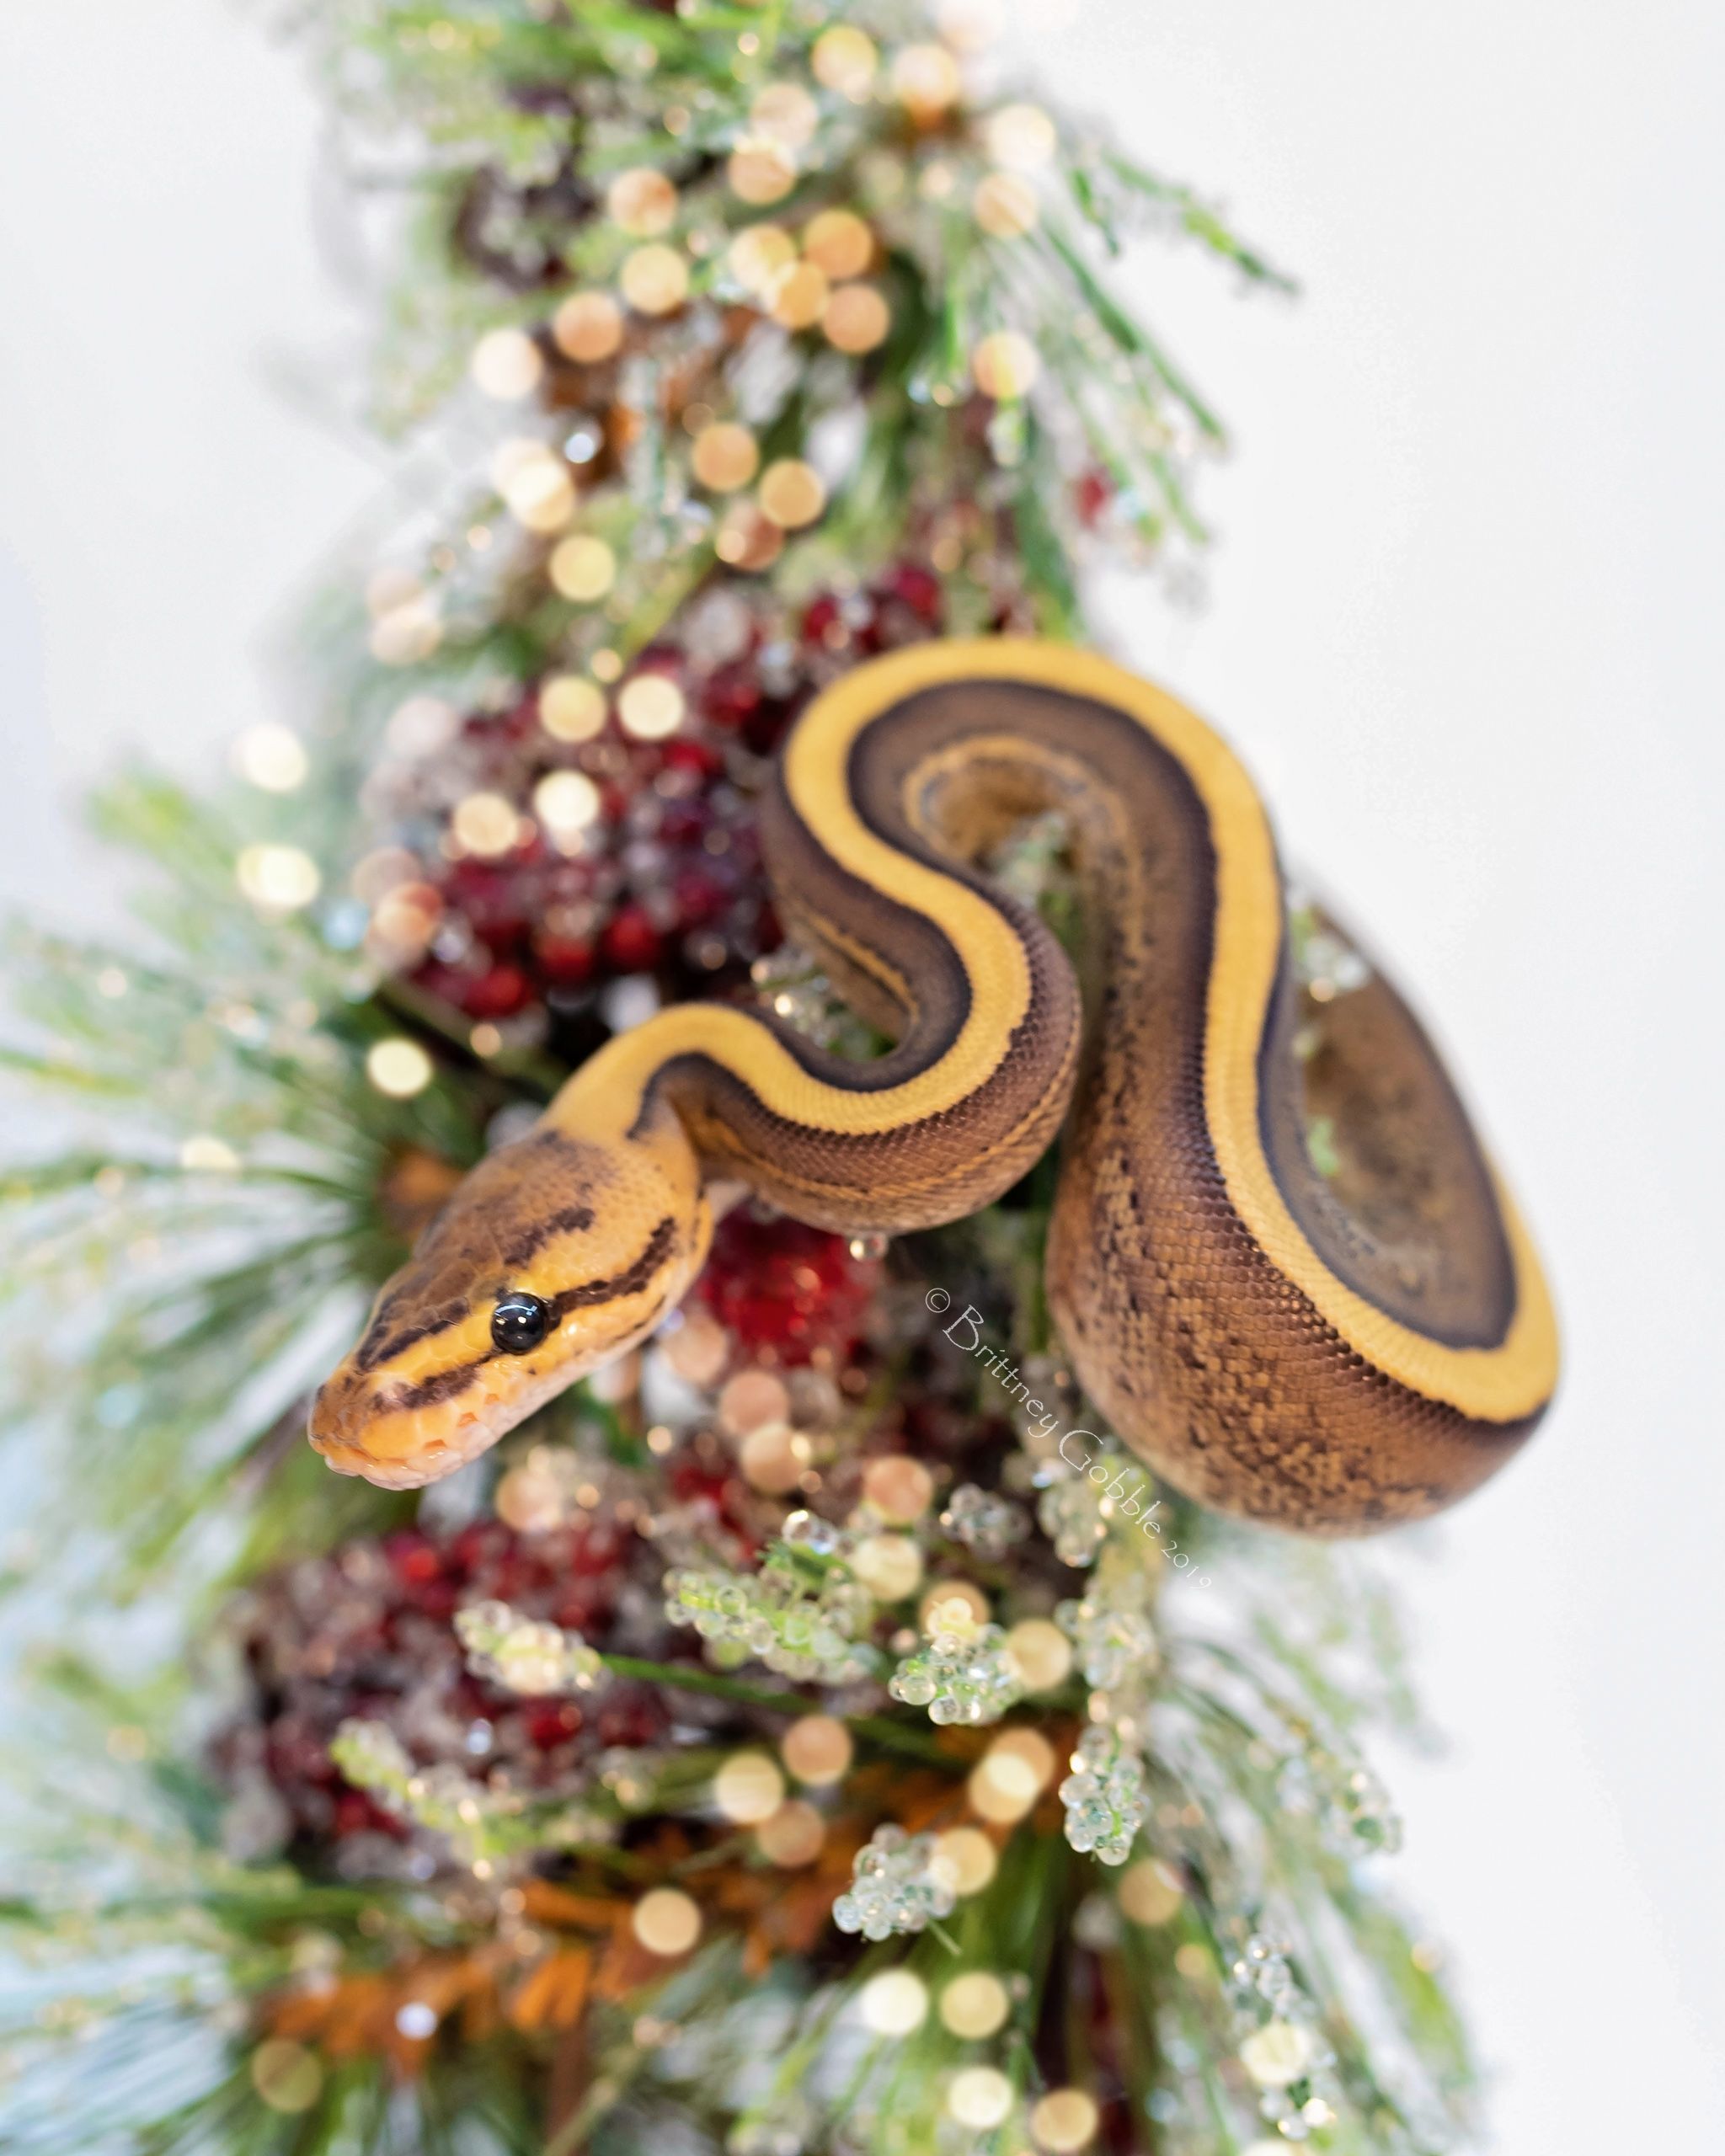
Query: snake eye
x: 520, y: 1322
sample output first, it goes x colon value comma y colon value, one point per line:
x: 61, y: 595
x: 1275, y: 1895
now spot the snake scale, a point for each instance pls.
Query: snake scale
x: 1328, y: 1351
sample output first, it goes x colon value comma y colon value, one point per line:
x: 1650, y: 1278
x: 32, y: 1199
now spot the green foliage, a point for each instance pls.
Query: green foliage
x: 200, y: 1221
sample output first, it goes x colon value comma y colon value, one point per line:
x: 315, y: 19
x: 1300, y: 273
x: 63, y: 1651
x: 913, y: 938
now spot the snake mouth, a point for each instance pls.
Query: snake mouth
x: 397, y: 1437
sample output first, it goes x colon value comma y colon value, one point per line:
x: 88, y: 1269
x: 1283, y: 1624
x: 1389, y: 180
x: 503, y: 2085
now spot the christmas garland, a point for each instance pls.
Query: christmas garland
x: 781, y: 1743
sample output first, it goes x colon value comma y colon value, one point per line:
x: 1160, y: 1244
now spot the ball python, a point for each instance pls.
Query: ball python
x: 1330, y: 1351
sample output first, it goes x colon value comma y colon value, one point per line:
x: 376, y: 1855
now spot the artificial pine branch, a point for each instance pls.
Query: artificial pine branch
x: 448, y: 1831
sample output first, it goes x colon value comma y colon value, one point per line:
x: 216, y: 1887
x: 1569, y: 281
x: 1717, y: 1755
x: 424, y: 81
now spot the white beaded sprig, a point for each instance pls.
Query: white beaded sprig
x: 984, y: 1521
x: 525, y: 1654
x: 1112, y: 1642
x: 961, y: 1676
x: 900, y: 1884
x: 1070, y: 1513
x: 439, y: 1797
x: 1104, y: 1796
x: 804, y: 1614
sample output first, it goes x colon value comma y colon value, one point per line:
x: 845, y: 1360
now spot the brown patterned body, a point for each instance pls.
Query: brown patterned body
x: 1330, y: 1351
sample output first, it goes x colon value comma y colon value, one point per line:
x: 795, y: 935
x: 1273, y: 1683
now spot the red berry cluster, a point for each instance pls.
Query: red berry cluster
x: 667, y: 881
x: 789, y: 1294
x: 366, y: 1631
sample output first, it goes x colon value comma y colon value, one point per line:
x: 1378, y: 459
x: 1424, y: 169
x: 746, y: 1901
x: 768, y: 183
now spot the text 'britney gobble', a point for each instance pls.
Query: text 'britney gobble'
x: 1087, y: 1451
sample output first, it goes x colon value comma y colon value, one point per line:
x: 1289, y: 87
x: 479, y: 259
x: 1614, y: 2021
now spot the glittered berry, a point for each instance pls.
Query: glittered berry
x: 631, y: 943
x: 412, y: 1558
x: 631, y: 1714
x: 491, y: 899
x: 499, y: 992
x: 693, y: 760
x: 732, y: 696
x: 565, y: 961
x: 552, y: 1722
x: 920, y: 590
x: 790, y: 1293
x: 824, y: 623
x: 699, y: 899
x: 1090, y: 496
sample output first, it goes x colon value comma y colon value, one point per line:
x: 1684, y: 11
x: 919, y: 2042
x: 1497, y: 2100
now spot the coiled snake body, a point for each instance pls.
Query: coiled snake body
x: 1329, y: 1351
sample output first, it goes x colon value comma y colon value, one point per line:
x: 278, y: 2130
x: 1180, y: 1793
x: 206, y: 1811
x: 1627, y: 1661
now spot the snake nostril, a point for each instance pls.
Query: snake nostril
x: 330, y: 1421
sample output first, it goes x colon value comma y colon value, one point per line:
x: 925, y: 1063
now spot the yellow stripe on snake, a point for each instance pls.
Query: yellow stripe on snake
x: 1332, y: 1352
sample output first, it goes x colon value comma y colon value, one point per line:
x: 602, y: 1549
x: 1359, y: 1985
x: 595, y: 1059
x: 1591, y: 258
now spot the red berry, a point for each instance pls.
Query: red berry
x: 551, y: 1724
x: 630, y: 1714
x: 494, y: 901
x: 497, y: 992
x: 480, y: 1542
x: 920, y: 590
x: 699, y: 899
x: 787, y: 1290
x: 356, y: 1814
x: 566, y: 961
x: 411, y: 1557
x: 1091, y: 497
x: 824, y: 627
x: 732, y: 696
x: 698, y: 760
x: 632, y: 943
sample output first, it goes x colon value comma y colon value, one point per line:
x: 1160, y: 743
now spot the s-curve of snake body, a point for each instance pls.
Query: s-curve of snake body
x: 1327, y: 1352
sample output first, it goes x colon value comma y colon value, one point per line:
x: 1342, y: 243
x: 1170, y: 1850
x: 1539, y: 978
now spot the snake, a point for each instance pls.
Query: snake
x: 1328, y: 1339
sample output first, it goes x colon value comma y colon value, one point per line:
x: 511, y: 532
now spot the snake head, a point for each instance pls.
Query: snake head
x: 555, y: 1254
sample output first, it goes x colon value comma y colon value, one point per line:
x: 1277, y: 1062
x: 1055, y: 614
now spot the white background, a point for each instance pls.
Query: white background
x: 1465, y: 621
